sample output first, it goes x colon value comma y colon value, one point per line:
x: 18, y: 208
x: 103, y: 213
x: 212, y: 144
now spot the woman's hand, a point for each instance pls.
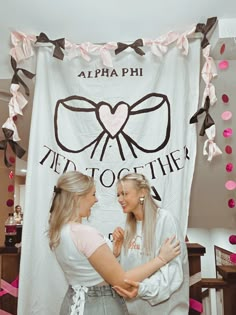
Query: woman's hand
x: 169, y: 249
x: 130, y: 293
x: 118, y: 239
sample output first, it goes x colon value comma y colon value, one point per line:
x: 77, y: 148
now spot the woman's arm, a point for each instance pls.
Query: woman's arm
x: 107, y: 266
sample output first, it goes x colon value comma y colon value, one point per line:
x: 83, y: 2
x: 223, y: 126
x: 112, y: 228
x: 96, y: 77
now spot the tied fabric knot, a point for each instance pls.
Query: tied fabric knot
x: 213, y: 149
x: 22, y: 45
x: 17, y: 101
x: 135, y: 46
x: 79, y: 300
x: 16, y: 79
x: 16, y: 148
x: 204, y: 29
x: 208, y: 121
x: 58, y: 43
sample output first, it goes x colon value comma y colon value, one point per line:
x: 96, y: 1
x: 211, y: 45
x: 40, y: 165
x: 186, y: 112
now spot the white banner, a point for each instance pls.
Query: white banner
x: 105, y: 122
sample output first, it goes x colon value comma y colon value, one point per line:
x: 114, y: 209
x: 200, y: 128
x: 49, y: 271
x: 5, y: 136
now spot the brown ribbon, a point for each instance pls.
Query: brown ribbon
x: 204, y: 29
x: 16, y: 79
x: 208, y: 121
x: 58, y: 43
x: 135, y: 45
x: 14, y: 146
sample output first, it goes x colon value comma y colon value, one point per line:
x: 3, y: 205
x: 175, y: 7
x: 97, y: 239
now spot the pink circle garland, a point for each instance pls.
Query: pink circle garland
x: 229, y: 167
x: 230, y: 185
x: 223, y: 65
x: 231, y: 203
x: 226, y: 115
x: 225, y: 98
x: 222, y: 49
x: 11, y: 188
x: 232, y: 239
x: 233, y: 258
x: 10, y: 202
x: 228, y: 132
x: 228, y: 149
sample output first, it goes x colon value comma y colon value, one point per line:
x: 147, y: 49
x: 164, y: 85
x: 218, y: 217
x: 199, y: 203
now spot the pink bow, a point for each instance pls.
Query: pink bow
x: 213, y: 149
x: 104, y: 51
x: 73, y: 50
x: 17, y: 102
x: 159, y: 46
x: 9, y: 124
x: 182, y: 41
x: 22, y: 46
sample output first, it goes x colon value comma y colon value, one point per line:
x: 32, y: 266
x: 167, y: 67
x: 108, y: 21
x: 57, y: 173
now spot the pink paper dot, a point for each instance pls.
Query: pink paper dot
x: 228, y: 149
x: 11, y: 188
x: 230, y: 185
x: 231, y: 203
x: 223, y: 65
x: 10, y: 202
x: 232, y: 239
x: 229, y: 167
x: 12, y: 159
x: 225, y: 98
x: 11, y: 175
x: 222, y: 49
x: 226, y: 115
x: 228, y: 132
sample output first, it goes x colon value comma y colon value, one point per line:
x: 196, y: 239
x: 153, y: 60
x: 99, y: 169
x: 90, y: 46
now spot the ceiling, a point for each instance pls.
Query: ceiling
x: 97, y: 22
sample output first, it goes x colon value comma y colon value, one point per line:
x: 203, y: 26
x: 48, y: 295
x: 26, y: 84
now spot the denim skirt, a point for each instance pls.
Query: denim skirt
x: 99, y: 300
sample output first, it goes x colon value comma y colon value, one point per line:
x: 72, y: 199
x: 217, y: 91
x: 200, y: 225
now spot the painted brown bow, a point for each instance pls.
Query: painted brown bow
x: 14, y: 146
x: 204, y: 29
x: 135, y: 45
x: 16, y: 79
x: 58, y: 43
x: 208, y: 121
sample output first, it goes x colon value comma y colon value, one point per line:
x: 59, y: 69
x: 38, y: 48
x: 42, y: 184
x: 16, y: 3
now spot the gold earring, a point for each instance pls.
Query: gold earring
x: 141, y: 200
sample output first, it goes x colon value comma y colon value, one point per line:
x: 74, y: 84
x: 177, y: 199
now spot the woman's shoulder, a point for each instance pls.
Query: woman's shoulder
x: 83, y: 228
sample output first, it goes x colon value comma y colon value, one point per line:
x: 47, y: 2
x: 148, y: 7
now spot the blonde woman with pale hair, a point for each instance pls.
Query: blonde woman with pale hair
x: 84, y: 255
x: 147, y: 226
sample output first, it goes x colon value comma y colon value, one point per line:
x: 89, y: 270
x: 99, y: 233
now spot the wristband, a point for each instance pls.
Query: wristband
x: 162, y: 259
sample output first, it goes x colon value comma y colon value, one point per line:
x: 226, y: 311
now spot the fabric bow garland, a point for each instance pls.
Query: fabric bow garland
x: 74, y: 50
x: 208, y: 121
x: 213, y: 149
x: 160, y: 45
x: 58, y: 43
x: 204, y: 29
x: 104, y: 51
x: 14, y: 146
x: 22, y: 46
x: 17, y: 101
x: 135, y: 46
x: 16, y: 79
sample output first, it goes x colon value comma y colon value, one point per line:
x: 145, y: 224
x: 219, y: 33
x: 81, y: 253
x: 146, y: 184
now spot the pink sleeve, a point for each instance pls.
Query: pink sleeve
x: 86, y: 239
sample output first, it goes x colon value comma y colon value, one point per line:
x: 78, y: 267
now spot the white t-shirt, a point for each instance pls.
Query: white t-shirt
x: 77, y: 243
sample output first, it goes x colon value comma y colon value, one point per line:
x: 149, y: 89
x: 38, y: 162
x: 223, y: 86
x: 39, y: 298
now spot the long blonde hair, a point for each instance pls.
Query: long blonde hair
x: 65, y: 207
x: 149, y: 215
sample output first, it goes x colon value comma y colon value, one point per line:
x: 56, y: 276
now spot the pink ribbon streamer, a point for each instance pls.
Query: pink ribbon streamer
x: 2, y: 312
x: 104, y: 51
x: 12, y: 288
x: 182, y: 41
x: 22, y: 46
x: 213, y: 149
x: 9, y: 124
x: 159, y: 46
x: 17, y: 102
x: 195, y: 305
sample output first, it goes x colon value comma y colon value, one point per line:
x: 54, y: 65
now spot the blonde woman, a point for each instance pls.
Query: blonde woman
x: 166, y: 291
x: 84, y: 255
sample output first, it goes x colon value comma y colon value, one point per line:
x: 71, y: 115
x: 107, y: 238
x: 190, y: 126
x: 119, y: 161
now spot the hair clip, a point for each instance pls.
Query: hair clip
x: 57, y: 190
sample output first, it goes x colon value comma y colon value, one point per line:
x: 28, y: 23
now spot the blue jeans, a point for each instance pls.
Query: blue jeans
x: 99, y: 300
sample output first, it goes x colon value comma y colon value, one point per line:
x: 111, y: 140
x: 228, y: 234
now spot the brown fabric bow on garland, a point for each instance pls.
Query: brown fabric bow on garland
x: 204, y: 29
x: 58, y: 43
x: 208, y: 121
x: 16, y: 79
x: 16, y: 148
x: 135, y: 46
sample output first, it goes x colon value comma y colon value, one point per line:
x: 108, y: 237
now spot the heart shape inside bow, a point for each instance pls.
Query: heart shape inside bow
x: 113, y: 119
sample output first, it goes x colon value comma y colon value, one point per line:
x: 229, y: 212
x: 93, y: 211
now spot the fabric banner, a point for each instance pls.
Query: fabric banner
x: 105, y: 122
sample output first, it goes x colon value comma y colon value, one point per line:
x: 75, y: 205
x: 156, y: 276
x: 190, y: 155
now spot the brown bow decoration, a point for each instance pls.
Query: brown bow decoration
x: 204, y: 29
x: 58, y: 43
x: 135, y: 45
x: 14, y: 146
x: 16, y: 79
x: 208, y: 121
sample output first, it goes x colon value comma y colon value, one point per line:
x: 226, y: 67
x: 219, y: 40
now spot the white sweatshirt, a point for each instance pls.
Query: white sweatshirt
x: 167, y: 291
